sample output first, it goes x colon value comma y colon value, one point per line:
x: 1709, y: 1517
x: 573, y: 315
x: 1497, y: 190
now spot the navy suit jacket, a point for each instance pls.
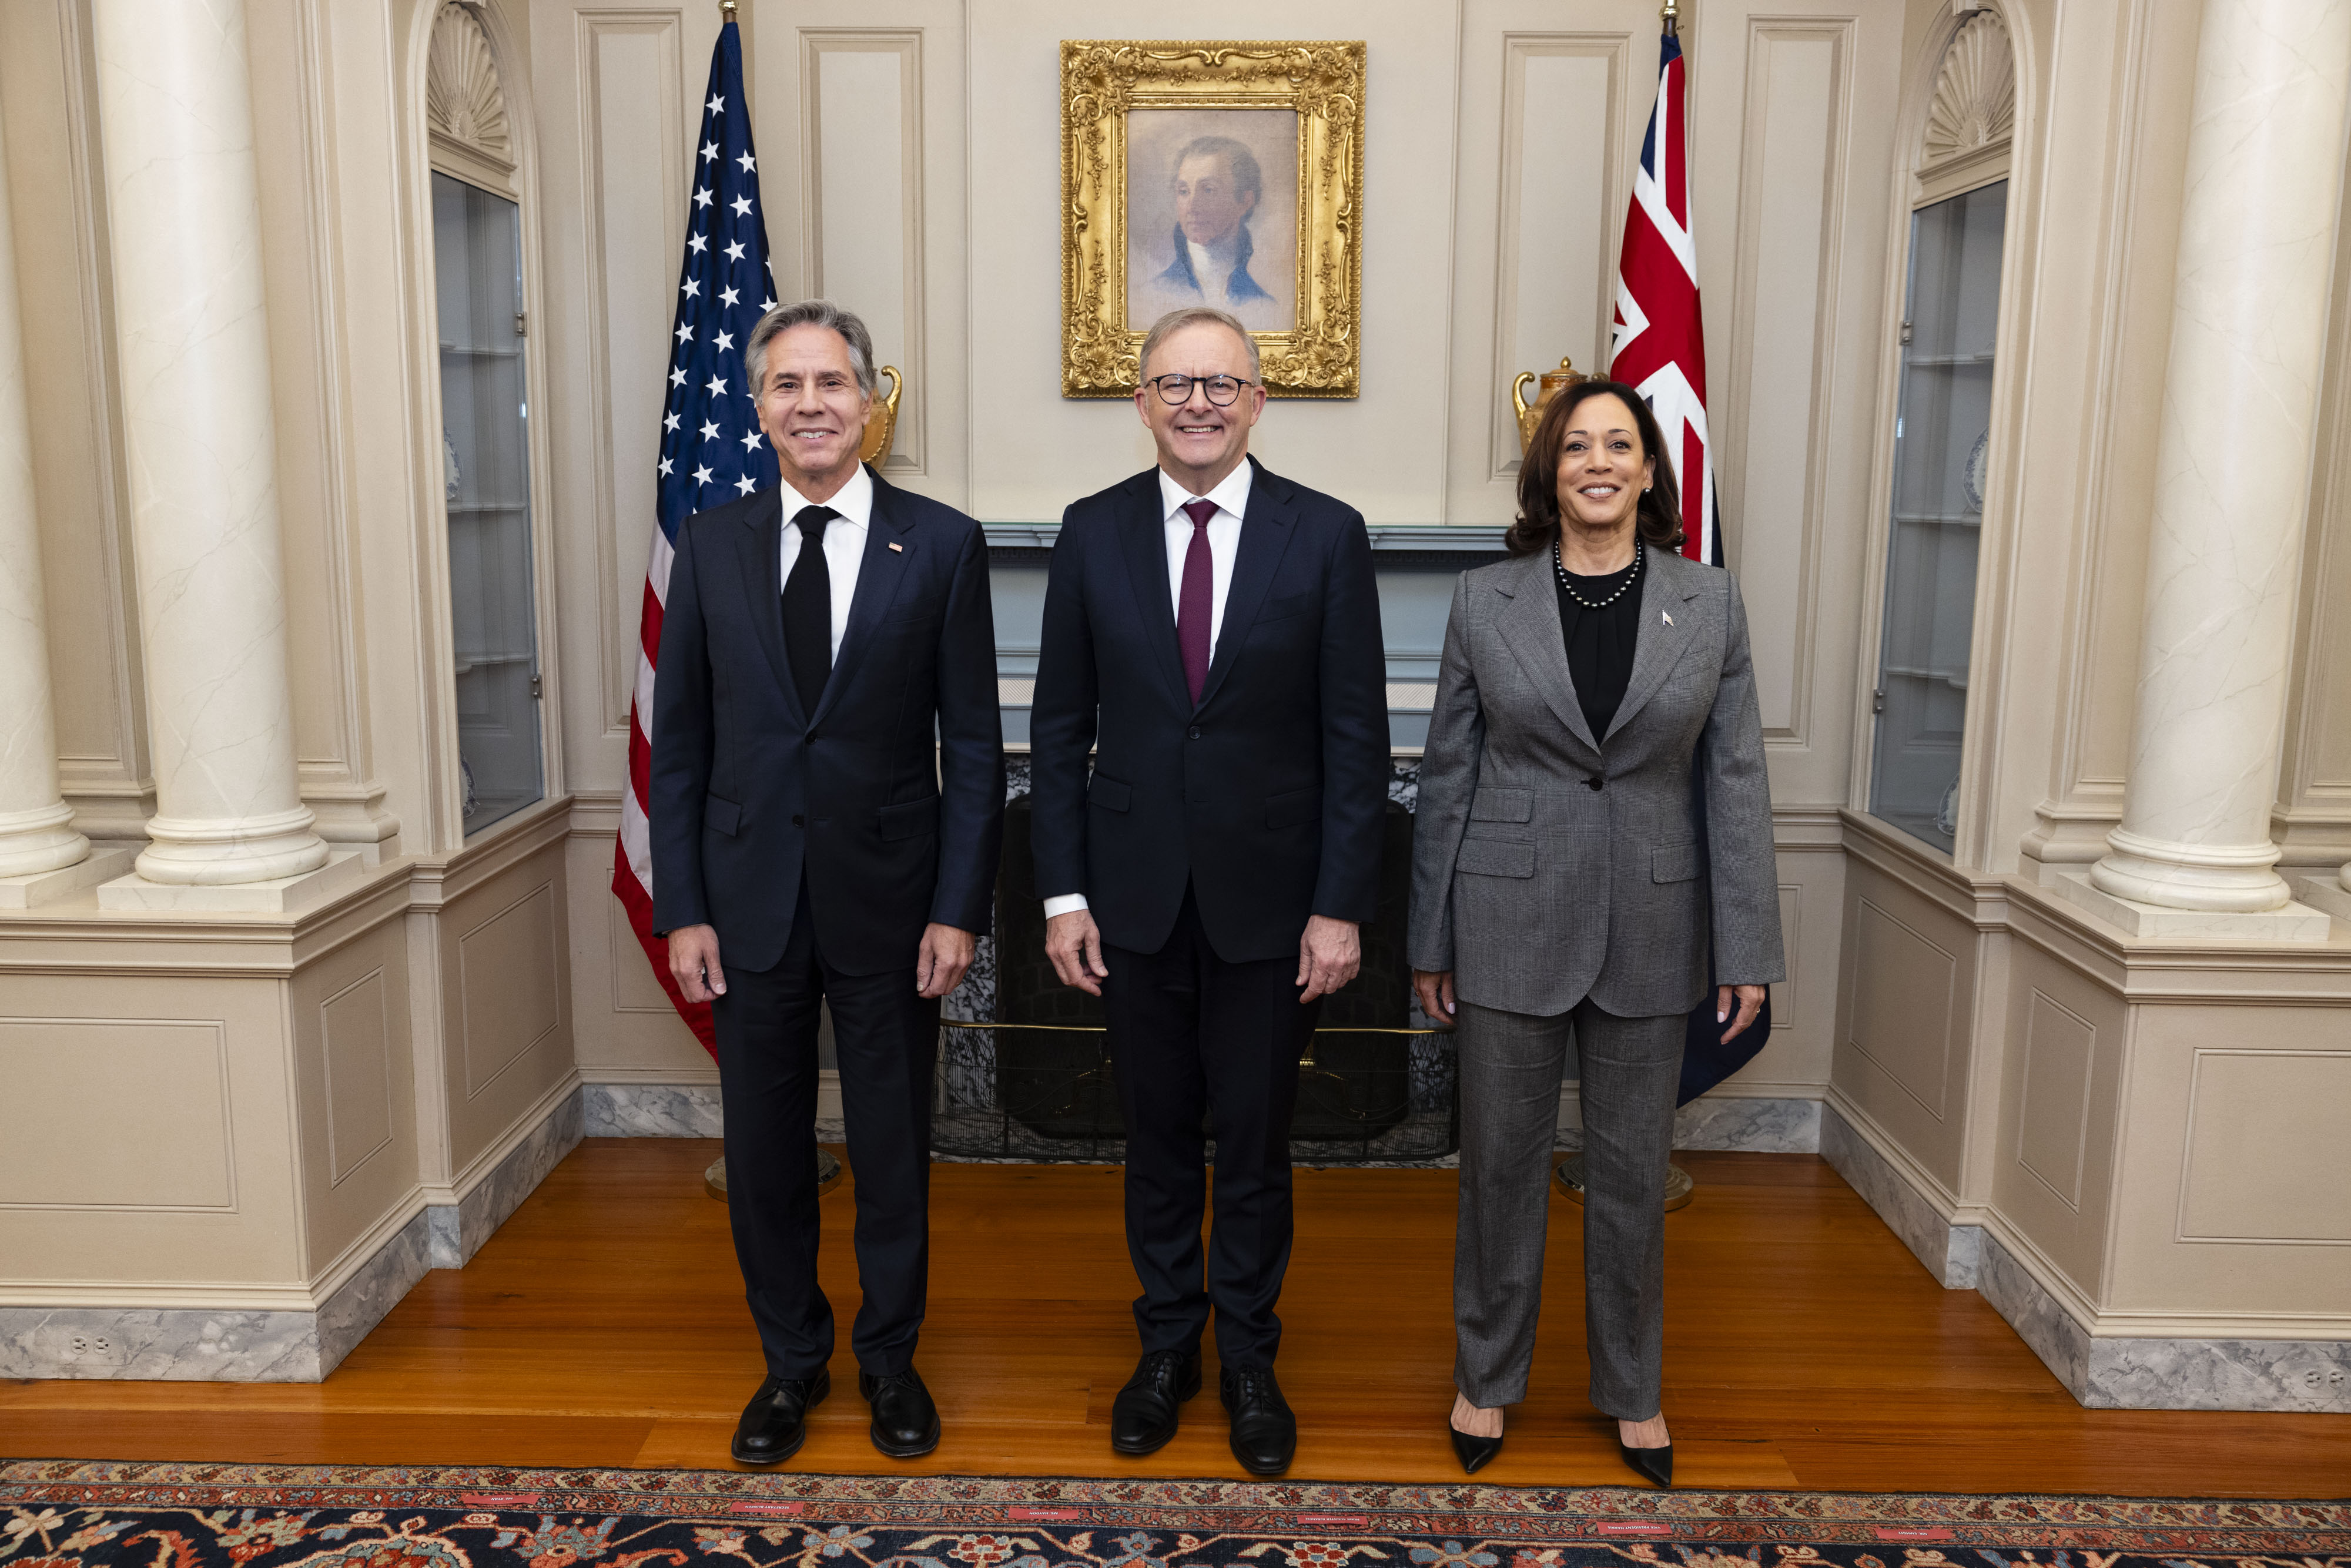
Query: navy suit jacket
x: 1268, y: 796
x: 890, y: 796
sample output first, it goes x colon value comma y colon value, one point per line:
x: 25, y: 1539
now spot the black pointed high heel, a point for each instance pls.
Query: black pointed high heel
x: 1473, y: 1451
x: 1656, y: 1464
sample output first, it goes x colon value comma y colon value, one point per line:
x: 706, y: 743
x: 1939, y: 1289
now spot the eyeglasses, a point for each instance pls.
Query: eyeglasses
x: 1177, y: 390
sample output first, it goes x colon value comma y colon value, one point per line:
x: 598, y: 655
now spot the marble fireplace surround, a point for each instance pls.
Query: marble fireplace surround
x: 2103, y: 1372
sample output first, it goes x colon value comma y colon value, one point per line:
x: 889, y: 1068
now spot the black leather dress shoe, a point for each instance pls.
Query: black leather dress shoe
x: 1145, y: 1414
x: 1472, y: 1450
x: 774, y: 1423
x: 1265, y: 1434
x: 1657, y: 1464
x: 905, y: 1422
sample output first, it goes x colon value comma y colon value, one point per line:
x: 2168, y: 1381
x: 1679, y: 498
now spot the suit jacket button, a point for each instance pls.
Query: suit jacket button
x: 1594, y: 783
x: 1193, y: 732
x: 798, y: 821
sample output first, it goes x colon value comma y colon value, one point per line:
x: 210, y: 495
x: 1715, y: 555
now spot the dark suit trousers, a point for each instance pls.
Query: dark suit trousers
x: 887, y: 1039
x: 1195, y: 1037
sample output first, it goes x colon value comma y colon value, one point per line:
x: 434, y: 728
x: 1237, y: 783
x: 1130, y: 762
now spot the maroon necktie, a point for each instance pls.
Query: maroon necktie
x: 1196, y: 605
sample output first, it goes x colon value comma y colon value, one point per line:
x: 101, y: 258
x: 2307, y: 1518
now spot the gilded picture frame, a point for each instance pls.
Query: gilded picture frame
x: 1152, y: 130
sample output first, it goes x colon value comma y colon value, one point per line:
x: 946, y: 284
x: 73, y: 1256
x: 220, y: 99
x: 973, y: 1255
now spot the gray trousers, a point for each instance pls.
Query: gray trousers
x: 1512, y: 1065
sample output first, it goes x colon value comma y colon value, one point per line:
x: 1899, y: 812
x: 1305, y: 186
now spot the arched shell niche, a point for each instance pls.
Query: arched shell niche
x: 464, y: 102
x: 1971, y: 118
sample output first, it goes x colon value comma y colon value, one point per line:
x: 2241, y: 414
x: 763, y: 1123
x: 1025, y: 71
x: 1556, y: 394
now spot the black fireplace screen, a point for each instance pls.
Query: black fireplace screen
x: 1027, y: 1070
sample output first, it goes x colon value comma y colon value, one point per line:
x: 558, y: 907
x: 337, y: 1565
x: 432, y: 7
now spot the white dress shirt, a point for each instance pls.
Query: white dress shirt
x: 1213, y: 266
x: 1231, y: 498
x: 845, y: 541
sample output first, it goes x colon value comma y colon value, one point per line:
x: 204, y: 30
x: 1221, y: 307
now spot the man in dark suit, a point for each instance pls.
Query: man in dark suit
x: 1214, y: 630
x: 806, y: 824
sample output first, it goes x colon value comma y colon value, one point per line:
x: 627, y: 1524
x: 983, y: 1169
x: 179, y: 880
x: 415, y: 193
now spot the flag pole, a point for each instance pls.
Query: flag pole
x: 1671, y: 17
x: 827, y: 1168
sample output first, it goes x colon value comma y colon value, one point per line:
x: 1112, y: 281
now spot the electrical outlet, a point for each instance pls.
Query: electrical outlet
x: 91, y: 1344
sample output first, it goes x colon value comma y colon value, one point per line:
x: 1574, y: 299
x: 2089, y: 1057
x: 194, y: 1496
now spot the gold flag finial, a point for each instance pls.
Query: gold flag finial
x: 729, y: 8
x: 1671, y: 17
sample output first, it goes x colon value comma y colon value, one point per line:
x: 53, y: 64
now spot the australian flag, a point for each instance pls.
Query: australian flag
x: 712, y: 449
x: 1660, y: 351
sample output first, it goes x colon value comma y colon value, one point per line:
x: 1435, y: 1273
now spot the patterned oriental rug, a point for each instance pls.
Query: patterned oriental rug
x: 70, y: 1514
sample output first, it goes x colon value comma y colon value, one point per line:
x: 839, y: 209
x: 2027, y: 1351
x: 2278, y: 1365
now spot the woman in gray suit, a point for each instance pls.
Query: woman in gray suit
x: 1564, y: 887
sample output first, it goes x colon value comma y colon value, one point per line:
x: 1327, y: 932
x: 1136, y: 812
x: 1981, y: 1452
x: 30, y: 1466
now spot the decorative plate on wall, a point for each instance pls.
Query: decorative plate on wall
x: 1972, y: 477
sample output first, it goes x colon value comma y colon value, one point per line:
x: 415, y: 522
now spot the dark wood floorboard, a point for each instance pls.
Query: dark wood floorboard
x: 604, y: 1325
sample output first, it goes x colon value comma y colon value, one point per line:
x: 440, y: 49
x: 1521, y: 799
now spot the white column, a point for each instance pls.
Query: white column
x: 183, y: 192
x: 36, y: 824
x: 2224, y: 560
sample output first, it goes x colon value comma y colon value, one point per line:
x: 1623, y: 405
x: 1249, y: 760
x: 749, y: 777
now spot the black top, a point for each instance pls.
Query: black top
x: 1600, y: 643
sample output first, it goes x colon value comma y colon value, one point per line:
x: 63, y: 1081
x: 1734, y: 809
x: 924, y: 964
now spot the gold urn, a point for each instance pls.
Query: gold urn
x: 882, y: 425
x: 1549, y: 385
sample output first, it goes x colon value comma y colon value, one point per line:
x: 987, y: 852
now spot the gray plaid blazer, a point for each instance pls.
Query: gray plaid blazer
x: 1550, y: 864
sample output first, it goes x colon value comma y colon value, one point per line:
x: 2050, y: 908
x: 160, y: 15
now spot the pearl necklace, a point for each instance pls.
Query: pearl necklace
x: 1558, y: 565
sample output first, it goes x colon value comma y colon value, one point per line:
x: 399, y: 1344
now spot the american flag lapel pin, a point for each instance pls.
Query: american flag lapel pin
x: 900, y: 549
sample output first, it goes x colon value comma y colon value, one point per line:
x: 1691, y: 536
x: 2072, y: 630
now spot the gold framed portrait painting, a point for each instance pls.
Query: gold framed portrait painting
x: 1212, y: 174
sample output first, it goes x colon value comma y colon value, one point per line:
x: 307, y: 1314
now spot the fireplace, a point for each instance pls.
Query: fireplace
x: 1036, y: 1079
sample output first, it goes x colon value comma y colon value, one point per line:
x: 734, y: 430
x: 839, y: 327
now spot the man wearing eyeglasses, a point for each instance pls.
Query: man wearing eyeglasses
x: 1212, y: 635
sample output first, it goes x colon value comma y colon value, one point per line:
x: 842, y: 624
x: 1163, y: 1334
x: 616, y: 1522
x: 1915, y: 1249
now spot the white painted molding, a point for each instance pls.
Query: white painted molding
x: 464, y: 102
x: 1974, y: 106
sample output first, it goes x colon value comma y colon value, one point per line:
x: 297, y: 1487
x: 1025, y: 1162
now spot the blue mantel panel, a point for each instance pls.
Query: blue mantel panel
x: 1416, y: 567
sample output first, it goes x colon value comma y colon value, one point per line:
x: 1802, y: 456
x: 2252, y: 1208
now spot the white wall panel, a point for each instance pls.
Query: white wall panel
x: 636, y: 157
x: 1561, y: 179
x: 1549, y: 119
x: 2261, y: 1125
x: 861, y: 151
x: 133, y: 1114
x: 1787, y: 266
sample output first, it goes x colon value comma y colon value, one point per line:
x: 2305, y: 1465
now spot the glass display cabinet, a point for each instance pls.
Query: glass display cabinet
x: 1941, y: 436
x: 485, y: 477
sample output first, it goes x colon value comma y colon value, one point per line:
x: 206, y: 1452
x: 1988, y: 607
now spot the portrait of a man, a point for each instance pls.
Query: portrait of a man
x: 1212, y: 215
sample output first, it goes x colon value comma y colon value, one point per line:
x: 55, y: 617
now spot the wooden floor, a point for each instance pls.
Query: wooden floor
x: 604, y: 1325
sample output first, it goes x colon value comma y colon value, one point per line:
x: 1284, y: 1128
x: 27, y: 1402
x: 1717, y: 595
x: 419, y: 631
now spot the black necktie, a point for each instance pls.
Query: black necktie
x: 808, y: 609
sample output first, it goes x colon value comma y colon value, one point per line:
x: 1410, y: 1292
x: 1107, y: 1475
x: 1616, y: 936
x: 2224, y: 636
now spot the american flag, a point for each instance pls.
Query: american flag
x: 1660, y: 342
x: 711, y: 446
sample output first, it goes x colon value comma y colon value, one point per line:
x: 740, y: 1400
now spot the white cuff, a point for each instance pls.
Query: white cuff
x: 1063, y: 904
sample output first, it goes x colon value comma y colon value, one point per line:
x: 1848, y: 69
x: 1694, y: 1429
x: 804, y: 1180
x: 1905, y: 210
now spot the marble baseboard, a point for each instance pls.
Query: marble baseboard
x: 185, y: 1345
x: 651, y: 1111
x: 691, y: 1111
x: 1752, y: 1126
x: 2103, y: 1372
x: 2119, y: 1373
x: 459, y: 1229
x: 1952, y: 1253
x: 685, y: 1110
x: 174, y: 1344
x: 1755, y: 1126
